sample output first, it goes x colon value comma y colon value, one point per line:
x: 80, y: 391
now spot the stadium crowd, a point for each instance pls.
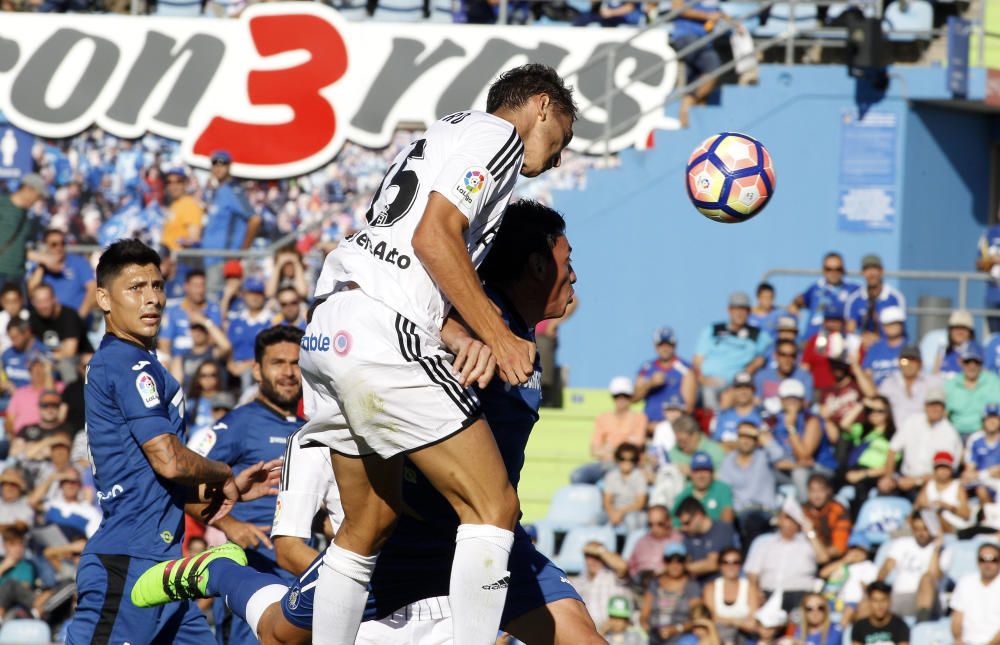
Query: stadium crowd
x: 808, y: 471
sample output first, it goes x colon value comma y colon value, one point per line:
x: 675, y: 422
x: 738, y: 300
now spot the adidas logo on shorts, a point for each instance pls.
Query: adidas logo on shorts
x: 502, y: 583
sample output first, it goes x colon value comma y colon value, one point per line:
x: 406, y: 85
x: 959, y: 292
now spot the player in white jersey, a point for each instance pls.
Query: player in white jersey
x: 378, y: 382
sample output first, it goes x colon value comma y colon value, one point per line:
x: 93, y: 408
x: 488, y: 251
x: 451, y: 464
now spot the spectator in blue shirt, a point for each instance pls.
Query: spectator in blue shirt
x: 764, y: 315
x: 70, y: 275
x: 767, y: 380
x: 16, y: 358
x: 988, y: 261
x: 961, y: 334
x: 175, y: 334
x: 243, y: 329
x: 865, y: 305
x: 610, y: 13
x: 729, y: 347
x: 807, y: 442
x: 831, y: 288
x: 982, y: 456
x: 743, y: 409
x: 230, y: 222
x: 289, y: 308
x: 882, y: 358
x: 691, y: 25
x: 665, y: 376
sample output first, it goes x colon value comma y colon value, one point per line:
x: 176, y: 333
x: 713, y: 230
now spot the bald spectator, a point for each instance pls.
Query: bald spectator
x: 970, y: 392
x: 612, y: 429
x: 70, y: 276
x: 729, y: 347
x: 921, y: 437
x: 907, y: 387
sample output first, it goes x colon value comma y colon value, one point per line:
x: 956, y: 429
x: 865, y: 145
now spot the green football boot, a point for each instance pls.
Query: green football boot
x: 183, y: 578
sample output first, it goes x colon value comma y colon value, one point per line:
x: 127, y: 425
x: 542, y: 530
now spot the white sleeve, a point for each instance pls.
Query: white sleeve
x: 305, y: 478
x: 960, y: 597
x: 481, y: 155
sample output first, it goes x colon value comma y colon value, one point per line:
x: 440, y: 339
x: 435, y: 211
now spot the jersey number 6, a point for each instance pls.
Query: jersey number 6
x: 400, y: 191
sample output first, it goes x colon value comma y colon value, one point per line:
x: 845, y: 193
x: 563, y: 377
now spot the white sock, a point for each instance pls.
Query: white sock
x: 341, y: 595
x: 260, y: 601
x: 479, y: 581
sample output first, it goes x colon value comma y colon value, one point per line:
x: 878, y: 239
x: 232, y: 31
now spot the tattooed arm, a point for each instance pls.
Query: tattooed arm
x: 172, y: 460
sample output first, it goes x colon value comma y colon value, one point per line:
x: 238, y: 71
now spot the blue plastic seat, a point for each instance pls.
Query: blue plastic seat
x: 25, y: 631
x: 936, y: 632
x: 575, y: 505
x: 880, y: 517
x: 913, y: 17
x: 961, y: 558
x: 570, y: 557
x: 806, y: 18
x: 546, y: 540
x: 741, y: 9
x: 178, y: 8
x: 931, y: 344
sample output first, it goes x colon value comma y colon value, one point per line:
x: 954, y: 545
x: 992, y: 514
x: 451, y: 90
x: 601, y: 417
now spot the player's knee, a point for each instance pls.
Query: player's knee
x: 504, y: 510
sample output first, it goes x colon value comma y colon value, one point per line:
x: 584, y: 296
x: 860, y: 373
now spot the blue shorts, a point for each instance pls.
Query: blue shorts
x: 423, y: 570
x: 105, y: 613
x: 699, y: 62
x: 230, y: 628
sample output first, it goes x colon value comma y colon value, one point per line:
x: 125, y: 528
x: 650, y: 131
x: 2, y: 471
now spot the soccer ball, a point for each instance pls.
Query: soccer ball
x: 729, y: 177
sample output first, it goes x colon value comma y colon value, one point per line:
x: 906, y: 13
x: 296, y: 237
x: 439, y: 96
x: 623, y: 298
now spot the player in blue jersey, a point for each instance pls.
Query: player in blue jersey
x: 413, y: 569
x: 248, y: 435
x: 143, y: 472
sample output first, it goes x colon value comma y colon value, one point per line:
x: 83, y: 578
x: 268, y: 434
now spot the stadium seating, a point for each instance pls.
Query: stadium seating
x: 880, y: 517
x: 781, y: 19
x: 961, y: 557
x: 631, y: 541
x: 546, y: 541
x: 937, y: 632
x: 570, y: 557
x: 909, y: 21
x: 932, y: 343
x: 178, y: 8
x: 25, y: 632
x: 574, y: 505
x: 741, y: 9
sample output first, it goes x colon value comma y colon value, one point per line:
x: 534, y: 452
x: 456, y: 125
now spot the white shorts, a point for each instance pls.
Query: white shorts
x: 374, y: 383
x: 416, y: 624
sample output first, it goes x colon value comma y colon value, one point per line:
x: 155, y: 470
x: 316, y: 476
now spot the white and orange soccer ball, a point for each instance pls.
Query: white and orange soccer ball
x: 730, y: 177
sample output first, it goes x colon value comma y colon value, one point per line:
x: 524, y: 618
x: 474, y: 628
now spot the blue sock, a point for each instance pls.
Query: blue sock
x: 235, y: 584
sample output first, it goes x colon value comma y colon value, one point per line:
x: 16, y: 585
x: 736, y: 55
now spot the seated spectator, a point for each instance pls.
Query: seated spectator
x: 60, y: 329
x: 804, y: 438
x: 690, y: 440
x: 731, y: 598
x: 612, y: 429
x: 919, y: 439
x: 882, y: 357
x: 598, y: 583
x: 715, y: 496
x: 14, y: 508
x: 961, y: 334
x: 175, y: 332
x: 703, y: 628
x: 969, y: 392
x: 865, y: 305
x: 829, y: 348
x: 704, y: 539
x: 610, y: 13
x: 74, y: 516
x: 881, y: 627
x: 743, y: 409
x: 906, y: 388
x: 31, y: 448
x: 830, y: 519
x: 974, y: 616
x: 816, y: 627
x: 70, y: 275
x: 288, y: 272
x: 727, y: 348
x: 831, y: 288
x: 909, y: 556
x: 836, y: 400
x: 23, y: 346
x: 982, y: 456
x: 764, y: 315
x: 750, y: 473
x: 208, y: 344
x: 243, y: 329
x: 23, y: 409
x: 290, y: 310
x: 619, y: 629
x: 666, y: 605
x: 205, y: 386
x: 691, y: 25
x: 767, y: 380
x: 664, y: 439
x: 771, y: 622
x: 848, y: 577
x: 17, y: 573
x: 625, y: 490
x: 944, y: 494
x: 787, y: 559
x: 866, y: 438
x: 647, y: 556
x: 46, y: 485
x: 11, y: 308
x: 665, y: 377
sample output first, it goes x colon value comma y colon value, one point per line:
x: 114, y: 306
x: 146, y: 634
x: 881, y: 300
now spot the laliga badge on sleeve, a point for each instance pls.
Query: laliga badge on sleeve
x: 146, y: 387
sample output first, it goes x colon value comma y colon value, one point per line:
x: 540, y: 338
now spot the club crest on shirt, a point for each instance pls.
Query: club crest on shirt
x: 146, y: 387
x: 293, y: 599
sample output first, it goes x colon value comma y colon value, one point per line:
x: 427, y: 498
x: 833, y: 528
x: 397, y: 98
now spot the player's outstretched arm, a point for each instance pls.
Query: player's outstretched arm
x: 174, y: 461
x: 440, y: 245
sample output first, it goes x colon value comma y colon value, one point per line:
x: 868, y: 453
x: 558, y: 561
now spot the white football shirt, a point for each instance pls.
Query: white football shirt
x: 470, y: 158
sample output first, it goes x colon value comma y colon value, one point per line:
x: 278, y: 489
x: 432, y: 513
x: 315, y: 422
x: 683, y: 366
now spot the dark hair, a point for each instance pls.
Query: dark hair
x: 660, y: 507
x: 41, y: 286
x: 765, y: 286
x: 517, y: 85
x: 18, y: 324
x: 52, y: 231
x: 730, y: 549
x: 819, y: 478
x: 890, y: 422
x: 121, y: 254
x: 787, y: 341
x: 195, y: 390
x: 879, y: 587
x: 273, y: 336
x: 528, y: 227
x: 11, y: 286
x: 690, y: 506
x: 833, y: 254
x: 626, y: 448
x: 288, y: 287
x: 14, y: 533
x: 193, y: 273
x: 987, y: 545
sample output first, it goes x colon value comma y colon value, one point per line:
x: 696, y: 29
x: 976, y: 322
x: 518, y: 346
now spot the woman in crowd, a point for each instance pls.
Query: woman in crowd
x: 625, y: 490
x: 205, y: 386
x: 869, y: 460
x: 288, y: 271
x: 667, y: 603
x: 815, y: 627
x: 961, y: 333
x: 731, y: 598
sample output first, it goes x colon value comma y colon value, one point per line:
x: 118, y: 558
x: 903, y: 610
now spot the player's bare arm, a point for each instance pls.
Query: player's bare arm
x: 174, y: 461
x: 439, y: 244
x: 293, y: 554
x: 474, y: 361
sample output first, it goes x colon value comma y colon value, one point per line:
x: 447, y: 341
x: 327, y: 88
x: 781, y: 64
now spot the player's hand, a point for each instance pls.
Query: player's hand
x: 474, y: 363
x: 259, y: 480
x: 248, y: 536
x: 515, y: 358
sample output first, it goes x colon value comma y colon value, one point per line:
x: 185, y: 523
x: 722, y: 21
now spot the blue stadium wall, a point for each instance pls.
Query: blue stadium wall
x: 645, y: 258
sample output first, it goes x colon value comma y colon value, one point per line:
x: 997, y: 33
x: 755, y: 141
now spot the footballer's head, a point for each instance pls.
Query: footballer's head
x: 531, y: 257
x: 130, y: 291
x: 534, y: 98
x: 276, y: 365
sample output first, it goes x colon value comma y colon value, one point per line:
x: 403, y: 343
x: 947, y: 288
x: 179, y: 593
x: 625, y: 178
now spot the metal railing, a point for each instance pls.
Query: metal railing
x: 962, y: 278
